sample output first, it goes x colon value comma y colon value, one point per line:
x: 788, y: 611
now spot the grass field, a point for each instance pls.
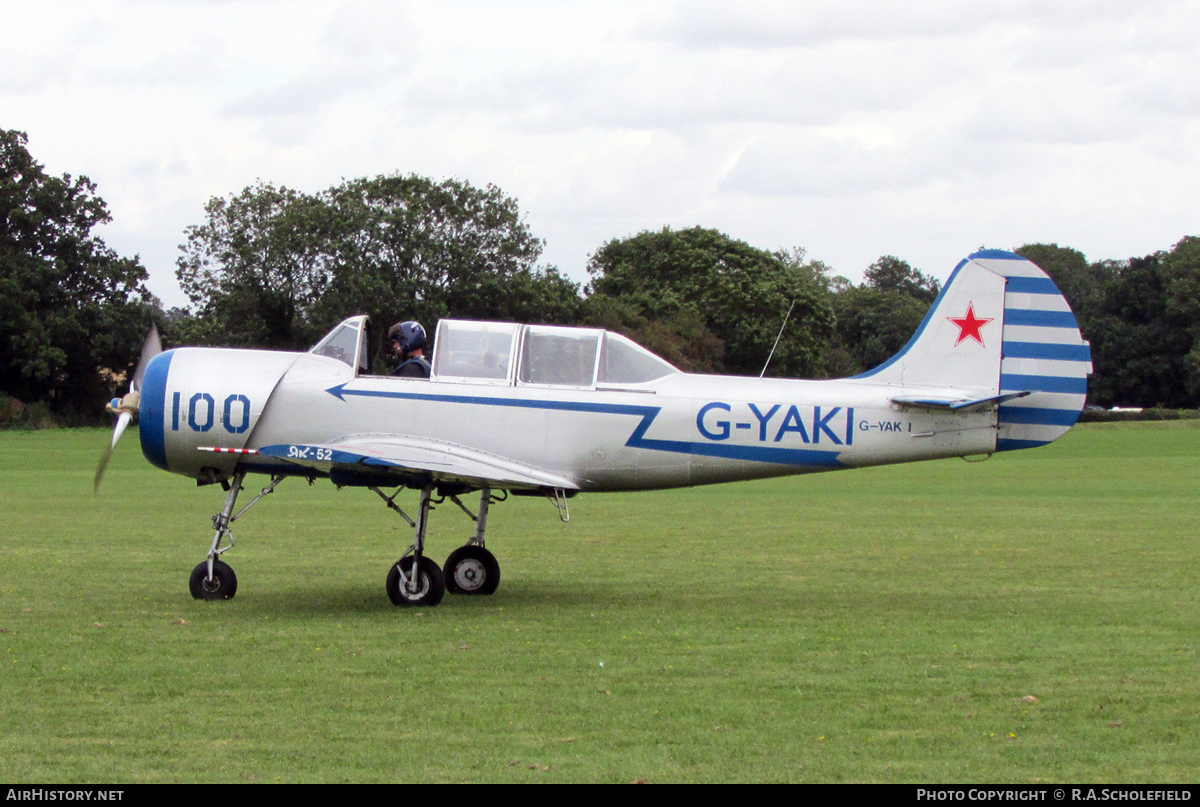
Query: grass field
x: 1029, y: 619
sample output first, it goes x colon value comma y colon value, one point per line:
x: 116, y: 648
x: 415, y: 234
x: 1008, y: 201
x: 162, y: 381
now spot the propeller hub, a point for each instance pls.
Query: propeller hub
x: 128, y: 403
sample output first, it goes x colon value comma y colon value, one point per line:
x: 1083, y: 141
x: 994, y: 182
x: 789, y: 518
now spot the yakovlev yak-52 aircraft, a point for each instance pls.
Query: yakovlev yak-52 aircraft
x: 997, y: 364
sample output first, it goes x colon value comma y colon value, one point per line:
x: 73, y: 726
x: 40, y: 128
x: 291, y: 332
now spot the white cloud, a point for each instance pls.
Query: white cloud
x: 854, y: 128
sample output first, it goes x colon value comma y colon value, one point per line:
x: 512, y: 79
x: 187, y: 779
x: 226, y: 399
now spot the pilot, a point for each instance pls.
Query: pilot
x: 408, y: 340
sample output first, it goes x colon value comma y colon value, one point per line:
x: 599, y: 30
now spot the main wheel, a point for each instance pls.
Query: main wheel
x: 222, y: 586
x: 431, y: 584
x: 471, y: 569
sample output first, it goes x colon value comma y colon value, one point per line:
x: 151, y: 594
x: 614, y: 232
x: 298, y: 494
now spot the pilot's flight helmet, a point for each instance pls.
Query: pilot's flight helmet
x: 410, y: 335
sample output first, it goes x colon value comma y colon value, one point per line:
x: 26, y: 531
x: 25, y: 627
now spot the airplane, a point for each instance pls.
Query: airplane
x: 998, y: 364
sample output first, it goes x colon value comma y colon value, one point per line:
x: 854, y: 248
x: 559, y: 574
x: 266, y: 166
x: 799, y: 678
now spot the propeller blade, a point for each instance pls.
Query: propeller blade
x: 126, y: 408
x: 150, y: 348
x: 123, y: 421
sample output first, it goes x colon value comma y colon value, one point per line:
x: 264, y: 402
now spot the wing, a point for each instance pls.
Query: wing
x: 383, y: 459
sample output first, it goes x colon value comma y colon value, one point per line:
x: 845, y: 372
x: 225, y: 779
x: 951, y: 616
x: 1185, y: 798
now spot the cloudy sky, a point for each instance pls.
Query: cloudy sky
x: 851, y: 128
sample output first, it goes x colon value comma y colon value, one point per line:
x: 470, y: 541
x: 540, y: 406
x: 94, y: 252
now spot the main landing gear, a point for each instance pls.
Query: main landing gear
x: 413, y: 579
x: 471, y: 569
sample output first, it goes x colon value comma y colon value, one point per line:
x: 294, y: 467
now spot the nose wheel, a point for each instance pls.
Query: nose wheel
x: 221, y: 585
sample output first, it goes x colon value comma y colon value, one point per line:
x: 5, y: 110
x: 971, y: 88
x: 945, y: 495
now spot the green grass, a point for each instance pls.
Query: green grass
x: 1028, y: 619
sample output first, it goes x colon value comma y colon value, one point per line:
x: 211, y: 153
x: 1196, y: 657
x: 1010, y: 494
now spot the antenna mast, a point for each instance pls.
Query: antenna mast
x: 778, y: 336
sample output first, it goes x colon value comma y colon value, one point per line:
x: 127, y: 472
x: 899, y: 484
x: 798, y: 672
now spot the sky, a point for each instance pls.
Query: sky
x: 850, y: 128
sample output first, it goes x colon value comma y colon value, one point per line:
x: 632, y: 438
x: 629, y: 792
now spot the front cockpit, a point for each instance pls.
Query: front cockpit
x: 349, y: 342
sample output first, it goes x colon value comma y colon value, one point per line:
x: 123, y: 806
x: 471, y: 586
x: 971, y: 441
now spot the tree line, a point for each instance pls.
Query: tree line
x: 273, y: 267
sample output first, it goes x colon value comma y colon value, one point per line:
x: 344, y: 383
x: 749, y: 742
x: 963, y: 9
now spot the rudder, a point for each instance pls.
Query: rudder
x: 1043, y: 352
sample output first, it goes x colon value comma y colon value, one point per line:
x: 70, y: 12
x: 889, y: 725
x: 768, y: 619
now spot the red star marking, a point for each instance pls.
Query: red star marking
x: 969, y: 326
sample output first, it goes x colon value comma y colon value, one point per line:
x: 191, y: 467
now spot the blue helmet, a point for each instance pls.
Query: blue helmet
x: 409, y: 336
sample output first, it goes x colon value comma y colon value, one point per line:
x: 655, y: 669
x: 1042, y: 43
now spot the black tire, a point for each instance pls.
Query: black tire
x: 471, y: 569
x: 432, y: 583
x: 222, y: 586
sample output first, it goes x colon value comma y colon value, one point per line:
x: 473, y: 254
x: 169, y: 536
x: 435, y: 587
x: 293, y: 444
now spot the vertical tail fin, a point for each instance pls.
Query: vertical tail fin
x: 1000, y: 327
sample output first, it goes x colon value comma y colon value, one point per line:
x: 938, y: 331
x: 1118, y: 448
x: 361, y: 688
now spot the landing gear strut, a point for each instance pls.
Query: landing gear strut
x: 213, y: 579
x: 414, y: 579
x: 472, y: 569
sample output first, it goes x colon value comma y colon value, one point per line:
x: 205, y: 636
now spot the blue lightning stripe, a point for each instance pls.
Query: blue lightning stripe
x: 638, y: 439
x: 340, y: 392
x: 779, y: 456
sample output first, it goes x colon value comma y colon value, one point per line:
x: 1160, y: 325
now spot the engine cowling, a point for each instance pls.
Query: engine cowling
x: 194, y: 398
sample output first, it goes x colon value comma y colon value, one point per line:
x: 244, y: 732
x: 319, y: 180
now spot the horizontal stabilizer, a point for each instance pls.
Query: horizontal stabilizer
x: 957, y: 404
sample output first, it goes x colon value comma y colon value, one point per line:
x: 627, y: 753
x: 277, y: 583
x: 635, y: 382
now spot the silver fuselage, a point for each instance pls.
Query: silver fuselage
x: 678, y: 430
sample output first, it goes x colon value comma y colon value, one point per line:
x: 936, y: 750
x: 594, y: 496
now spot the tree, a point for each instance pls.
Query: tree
x: 257, y: 266
x: 70, y: 307
x: 1139, y: 348
x: 1085, y: 285
x: 872, y: 326
x: 1137, y: 315
x: 739, y: 294
x: 421, y: 249
x: 890, y: 274
x: 874, y: 321
x: 1181, y: 273
x: 682, y: 337
x: 274, y: 267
